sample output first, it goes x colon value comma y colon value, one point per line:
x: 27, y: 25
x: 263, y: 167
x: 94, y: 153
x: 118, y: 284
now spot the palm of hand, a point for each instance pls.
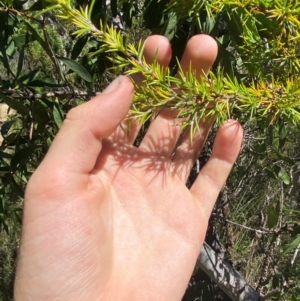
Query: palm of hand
x: 150, y: 209
x: 148, y: 226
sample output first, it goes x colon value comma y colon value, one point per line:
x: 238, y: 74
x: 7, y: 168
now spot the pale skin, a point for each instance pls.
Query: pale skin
x: 104, y: 220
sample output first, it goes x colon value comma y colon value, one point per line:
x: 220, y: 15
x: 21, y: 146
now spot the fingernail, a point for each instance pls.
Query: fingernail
x: 113, y: 85
x: 231, y: 125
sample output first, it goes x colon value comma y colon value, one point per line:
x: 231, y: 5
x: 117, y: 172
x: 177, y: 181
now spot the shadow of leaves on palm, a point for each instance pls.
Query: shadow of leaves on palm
x: 129, y: 157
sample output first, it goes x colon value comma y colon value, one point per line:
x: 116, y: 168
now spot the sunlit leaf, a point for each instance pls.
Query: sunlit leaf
x: 15, y: 104
x: 284, y: 176
x: 57, y: 115
x: 77, y: 68
x: 293, y: 245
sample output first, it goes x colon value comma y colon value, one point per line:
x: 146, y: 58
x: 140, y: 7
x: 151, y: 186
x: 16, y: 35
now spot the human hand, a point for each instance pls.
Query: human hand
x: 104, y: 220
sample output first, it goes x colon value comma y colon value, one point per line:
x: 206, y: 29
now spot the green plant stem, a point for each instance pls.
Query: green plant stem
x: 217, y: 96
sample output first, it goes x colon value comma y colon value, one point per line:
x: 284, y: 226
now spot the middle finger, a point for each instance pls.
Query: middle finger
x: 164, y: 131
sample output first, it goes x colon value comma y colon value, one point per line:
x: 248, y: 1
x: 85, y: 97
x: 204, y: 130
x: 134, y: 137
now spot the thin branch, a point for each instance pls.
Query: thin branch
x: 23, y: 14
x: 15, y: 94
x: 269, y: 295
x: 242, y: 226
x: 295, y: 255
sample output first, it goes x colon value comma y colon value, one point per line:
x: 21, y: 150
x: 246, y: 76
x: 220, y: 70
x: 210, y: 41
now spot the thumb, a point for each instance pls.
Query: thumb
x: 78, y: 143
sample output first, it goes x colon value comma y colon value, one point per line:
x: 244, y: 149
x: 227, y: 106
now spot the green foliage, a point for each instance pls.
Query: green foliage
x: 8, y: 255
x: 260, y: 213
x: 266, y: 96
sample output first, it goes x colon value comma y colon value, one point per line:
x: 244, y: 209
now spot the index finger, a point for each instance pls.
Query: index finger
x: 78, y: 143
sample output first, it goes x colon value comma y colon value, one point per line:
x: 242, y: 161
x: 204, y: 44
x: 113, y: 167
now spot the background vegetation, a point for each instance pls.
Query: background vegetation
x: 45, y: 71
